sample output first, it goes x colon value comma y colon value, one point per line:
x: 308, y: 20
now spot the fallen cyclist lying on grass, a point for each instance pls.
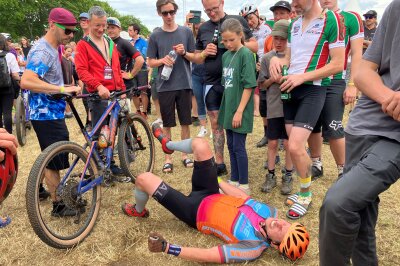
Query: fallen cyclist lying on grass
x: 247, y: 226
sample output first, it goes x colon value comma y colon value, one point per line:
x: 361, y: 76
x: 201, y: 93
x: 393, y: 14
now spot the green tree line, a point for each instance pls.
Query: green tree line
x: 29, y: 17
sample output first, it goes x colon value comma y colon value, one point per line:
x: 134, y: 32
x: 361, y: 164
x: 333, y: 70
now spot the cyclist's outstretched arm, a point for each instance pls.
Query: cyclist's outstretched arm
x: 228, y: 253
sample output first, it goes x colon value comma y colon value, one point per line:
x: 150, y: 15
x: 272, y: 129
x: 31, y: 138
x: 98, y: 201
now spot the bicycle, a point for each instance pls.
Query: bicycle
x: 22, y: 122
x: 86, y: 169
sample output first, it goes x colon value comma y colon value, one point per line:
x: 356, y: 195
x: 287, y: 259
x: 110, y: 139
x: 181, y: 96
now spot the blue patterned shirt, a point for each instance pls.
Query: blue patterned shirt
x: 43, y: 59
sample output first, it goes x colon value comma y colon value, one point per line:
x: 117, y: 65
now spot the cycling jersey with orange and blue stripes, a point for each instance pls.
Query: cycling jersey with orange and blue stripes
x: 236, y: 221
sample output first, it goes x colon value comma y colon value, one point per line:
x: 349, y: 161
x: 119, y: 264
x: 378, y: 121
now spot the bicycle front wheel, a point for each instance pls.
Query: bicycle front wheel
x: 135, y: 146
x: 69, y: 221
x: 20, y: 121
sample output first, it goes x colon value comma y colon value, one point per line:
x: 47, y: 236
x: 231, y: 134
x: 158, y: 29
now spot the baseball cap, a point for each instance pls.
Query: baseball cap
x: 281, y: 28
x: 371, y: 13
x: 62, y: 16
x: 114, y: 21
x: 84, y: 15
x: 281, y: 4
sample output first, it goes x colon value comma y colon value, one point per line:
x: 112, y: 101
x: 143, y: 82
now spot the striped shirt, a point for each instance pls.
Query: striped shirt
x: 310, y: 47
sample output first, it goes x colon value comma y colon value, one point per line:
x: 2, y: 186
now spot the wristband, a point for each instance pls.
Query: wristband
x: 62, y: 89
x: 350, y: 84
x: 184, y: 54
x: 219, y: 179
x: 202, y: 55
x: 174, y: 250
x: 130, y: 75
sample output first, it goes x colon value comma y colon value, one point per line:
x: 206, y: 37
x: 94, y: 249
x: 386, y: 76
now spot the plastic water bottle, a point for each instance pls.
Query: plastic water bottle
x: 104, y: 137
x: 167, y: 70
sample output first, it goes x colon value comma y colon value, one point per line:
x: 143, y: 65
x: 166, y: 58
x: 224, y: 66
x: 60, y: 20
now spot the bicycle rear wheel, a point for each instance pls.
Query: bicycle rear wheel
x: 62, y: 231
x: 20, y: 121
x: 135, y: 146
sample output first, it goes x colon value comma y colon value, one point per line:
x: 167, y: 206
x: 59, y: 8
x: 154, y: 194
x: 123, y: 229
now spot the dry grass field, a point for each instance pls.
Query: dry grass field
x: 120, y: 240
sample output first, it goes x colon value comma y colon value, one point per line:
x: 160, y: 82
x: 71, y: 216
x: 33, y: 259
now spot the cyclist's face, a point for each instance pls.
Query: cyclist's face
x: 98, y: 25
x: 113, y: 31
x: 329, y: 4
x: 252, y: 20
x: 276, y: 229
x: 302, y: 6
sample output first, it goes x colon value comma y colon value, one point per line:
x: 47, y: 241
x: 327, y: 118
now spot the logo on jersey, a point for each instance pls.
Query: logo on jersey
x: 336, y: 125
x: 296, y: 29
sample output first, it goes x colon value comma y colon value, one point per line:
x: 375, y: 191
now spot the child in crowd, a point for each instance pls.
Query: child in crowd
x: 68, y: 74
x: 276, y: 122
x: 236, y: 111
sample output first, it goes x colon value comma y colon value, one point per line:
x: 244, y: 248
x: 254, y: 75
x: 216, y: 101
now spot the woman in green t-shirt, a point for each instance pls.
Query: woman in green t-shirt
x: 236, y: 111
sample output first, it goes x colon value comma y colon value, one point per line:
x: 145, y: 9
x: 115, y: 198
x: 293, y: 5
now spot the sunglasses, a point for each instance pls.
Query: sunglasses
x: 369, y: 17
x: 171, y: 12
x: 66, y: 31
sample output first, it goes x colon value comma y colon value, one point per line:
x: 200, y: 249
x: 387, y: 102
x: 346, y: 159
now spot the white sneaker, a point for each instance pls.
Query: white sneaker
x: 202, y: 132
x: 245, y: 189
x: 158, y: 121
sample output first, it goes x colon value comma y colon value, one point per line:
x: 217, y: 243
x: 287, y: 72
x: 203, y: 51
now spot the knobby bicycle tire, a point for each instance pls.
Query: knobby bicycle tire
x: 20, y: 121
x: 136, y: 146
x: 40, y: 213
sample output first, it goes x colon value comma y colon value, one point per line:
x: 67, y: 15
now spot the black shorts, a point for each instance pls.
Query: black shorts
x: 331, y: 116
x: 305, y: 106
x: 180, y: 100
x: 263, y: 103
x: 276, y: 129
x: 214, y: 97
x: 204, y: 183
x: 97, y: 109
x: 154, y: 93
x: 49, y: 132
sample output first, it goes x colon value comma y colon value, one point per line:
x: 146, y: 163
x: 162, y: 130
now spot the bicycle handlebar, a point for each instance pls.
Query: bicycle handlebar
x: 95, y: 95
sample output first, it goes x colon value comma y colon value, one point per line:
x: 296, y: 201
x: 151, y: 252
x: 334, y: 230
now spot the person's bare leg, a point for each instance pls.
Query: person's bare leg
x: 256, y: 98
x: 185, y: 134
x: 52, y: 179
x: 145, y: 101
x: 136, y: 103
x: 218, y: 137
x: 338, y: 151
x: 167, y: 133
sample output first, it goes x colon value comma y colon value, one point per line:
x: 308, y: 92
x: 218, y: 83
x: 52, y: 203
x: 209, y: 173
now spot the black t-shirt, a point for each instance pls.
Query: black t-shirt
x: 26, y: 50
x: 368, y: 35
x: 127, y: 53
x: 213, y: 66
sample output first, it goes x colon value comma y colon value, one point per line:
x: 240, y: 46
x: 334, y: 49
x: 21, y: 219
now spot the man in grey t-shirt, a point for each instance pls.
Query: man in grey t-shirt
x: 349, y: 212
x: 176, y: 91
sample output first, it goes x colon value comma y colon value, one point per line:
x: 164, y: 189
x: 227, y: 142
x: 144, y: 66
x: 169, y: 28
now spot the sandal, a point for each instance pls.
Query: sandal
x: 168, y: 168
x: 297, y: 210
x: 5, y: 221
x: 292, y: 199
x: 188, y: 163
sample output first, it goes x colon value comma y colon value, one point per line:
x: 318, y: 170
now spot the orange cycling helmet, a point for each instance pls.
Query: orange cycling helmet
x: 8, y: 174
x: 295, y: 242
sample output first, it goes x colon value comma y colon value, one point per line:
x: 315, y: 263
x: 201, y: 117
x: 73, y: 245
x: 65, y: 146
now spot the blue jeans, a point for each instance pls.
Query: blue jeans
x: 198, y: 90
x: 238, y: 155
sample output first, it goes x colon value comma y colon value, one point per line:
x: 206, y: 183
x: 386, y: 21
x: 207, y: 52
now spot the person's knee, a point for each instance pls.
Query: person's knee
x: 295, y: 148
x: 201, y: 149
x: 146, y: 181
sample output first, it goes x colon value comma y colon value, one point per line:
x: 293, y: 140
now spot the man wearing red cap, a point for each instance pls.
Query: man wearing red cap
x: 43, y: 75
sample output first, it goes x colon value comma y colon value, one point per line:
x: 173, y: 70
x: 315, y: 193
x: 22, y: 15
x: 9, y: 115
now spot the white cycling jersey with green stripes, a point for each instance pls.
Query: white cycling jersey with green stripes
x: 309, y: 47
